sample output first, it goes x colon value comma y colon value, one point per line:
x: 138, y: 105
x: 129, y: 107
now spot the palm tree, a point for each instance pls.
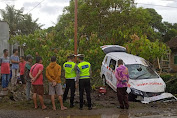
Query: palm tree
x: 19, y: 23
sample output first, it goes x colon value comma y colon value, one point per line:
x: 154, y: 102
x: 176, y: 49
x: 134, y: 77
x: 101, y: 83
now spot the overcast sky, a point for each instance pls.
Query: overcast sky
x: 49, y: 10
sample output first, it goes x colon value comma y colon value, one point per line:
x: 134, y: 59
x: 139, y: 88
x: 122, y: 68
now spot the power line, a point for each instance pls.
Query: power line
x: 157, y: 5
x: 35, y: 6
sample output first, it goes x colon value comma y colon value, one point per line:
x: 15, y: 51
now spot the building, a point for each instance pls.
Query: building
x: 173, y: 56
x: 4, y: 36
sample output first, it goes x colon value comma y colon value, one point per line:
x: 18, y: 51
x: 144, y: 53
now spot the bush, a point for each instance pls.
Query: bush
x: 171, y: 82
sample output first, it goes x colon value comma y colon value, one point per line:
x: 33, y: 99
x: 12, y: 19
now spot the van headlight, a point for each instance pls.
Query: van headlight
x: 136, y: 92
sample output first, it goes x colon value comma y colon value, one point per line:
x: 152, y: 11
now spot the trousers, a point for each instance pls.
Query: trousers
x: 5, y: 80
x: 84, y: 84
x: 70, y: 84
x: 28, y: 89
x: 122, y: 96
x: 14, y: 77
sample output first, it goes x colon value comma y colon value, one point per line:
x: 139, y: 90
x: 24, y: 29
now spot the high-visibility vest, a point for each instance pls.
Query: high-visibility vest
x: 70, y: 72
x: 84, y: 68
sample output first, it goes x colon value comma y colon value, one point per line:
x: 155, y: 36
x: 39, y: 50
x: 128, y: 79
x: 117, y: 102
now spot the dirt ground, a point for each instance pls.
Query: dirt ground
x: 104, y: 106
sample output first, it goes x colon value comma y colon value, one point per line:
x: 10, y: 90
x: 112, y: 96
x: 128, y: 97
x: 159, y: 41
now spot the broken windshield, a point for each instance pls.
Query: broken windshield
x: 138, y: 71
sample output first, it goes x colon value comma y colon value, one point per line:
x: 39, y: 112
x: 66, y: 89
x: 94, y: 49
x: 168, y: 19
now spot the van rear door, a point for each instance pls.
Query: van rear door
x: 113, y: 48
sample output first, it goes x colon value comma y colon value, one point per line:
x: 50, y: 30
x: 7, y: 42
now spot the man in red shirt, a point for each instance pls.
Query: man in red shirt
x: 22, y: 69
x: 5, y: 69
x: 37, y: 82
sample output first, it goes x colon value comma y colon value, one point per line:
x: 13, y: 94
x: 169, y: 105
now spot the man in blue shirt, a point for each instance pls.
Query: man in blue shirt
x: 15, y: 67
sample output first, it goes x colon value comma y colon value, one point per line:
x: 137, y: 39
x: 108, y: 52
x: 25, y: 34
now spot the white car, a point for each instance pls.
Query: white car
x: 144, y: 84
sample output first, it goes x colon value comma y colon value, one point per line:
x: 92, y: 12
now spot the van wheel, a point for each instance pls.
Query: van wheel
x: 132, y: 97
x: 104, y: 80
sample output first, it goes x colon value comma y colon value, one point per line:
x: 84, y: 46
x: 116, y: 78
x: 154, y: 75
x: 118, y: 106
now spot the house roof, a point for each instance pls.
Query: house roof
x: 172, y: 43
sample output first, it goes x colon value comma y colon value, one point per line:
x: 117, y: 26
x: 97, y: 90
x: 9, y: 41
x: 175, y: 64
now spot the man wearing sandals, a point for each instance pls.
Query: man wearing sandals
x: 37, y: 82
x: 53, y: 73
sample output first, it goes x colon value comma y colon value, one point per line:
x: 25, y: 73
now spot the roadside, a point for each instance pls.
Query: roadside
x: 103, y: 106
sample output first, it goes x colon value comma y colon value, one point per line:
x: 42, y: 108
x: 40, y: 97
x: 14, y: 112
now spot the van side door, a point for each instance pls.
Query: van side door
x: 110, y: 73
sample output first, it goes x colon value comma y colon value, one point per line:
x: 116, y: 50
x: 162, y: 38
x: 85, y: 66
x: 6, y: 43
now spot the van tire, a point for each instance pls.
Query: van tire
x: 132, y: 97
x: 104, y: 80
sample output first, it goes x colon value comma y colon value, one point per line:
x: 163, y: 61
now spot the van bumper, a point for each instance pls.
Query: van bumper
x: 147, y: 97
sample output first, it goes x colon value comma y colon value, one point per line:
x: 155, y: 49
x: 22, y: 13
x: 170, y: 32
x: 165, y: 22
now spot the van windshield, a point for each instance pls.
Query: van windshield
x: 138, y: 71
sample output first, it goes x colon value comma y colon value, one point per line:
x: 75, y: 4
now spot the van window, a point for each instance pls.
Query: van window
x: 137, y: 71
x: 106, y: 59
x: 112, y: 64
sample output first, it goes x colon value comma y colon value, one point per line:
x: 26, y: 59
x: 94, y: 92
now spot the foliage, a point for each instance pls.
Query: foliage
x: 45, y: 44
x: 19, y: 22
x: 169, y: 31
x: 143, y: 47
x: 100, y: 22
x: 113, y: 21
x: 171, y: 85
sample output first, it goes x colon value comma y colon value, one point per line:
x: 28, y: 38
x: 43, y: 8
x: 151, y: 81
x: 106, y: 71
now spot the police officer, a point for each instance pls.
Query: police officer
x: 84, y: 73
x: 70, y: 75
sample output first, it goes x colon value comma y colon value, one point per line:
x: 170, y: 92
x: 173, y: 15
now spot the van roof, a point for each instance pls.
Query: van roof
x: 127, y: 58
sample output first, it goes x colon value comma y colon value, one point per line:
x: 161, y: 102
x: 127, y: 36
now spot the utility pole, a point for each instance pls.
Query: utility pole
x: 75, y: 31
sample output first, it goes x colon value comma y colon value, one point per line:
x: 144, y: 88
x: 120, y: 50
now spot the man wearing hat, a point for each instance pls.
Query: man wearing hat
x: 84, y: 73
x: 70, y: 75
x: 28, y: 65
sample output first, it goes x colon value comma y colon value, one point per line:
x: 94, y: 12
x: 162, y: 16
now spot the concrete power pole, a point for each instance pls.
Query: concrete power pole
x: 75, y: 31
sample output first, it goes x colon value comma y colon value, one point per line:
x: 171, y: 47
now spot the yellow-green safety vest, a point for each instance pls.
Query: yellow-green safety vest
x: 70, y: 72
x: 84, y: 68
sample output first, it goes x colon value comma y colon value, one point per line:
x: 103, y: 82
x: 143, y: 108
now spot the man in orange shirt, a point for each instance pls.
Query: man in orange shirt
x: 53, y: 73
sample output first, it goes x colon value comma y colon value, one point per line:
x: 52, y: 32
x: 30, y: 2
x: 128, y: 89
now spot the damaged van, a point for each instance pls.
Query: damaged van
x: 145, y: 84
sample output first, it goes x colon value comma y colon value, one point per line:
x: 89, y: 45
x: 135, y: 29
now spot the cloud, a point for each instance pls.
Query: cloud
x: 51, y: 9
x: 59, y: 1
x: 30, y: 4
x: 173, y: 3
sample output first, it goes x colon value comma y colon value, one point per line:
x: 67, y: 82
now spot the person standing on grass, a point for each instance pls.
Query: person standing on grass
x: 37, y: 82
x: 5, y: 69
x: 70, y: 75
x: 53, y: 74
x: 22, y: 69
x: 28, y: 65
x: 122, y: 76
x: 15, y: 67
x: 84, y: 75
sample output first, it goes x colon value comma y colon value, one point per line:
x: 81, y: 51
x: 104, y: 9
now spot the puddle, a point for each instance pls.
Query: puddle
x: 97, y: 116
x: 116, y: 116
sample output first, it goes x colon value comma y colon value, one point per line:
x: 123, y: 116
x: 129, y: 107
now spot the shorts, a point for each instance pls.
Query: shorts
x: 39, y: 89
x: 22, y: 79
x: 55, y: 89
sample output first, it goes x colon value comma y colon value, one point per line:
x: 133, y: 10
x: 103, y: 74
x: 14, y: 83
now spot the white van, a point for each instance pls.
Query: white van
x: 144, y: 84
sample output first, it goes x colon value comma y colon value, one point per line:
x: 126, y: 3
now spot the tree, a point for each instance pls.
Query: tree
x: 112, y: 20
x: 19, y: 23
x: 169, y: 31
x: 143, y: 47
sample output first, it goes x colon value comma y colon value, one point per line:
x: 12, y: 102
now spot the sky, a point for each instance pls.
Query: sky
x: 49, y: 10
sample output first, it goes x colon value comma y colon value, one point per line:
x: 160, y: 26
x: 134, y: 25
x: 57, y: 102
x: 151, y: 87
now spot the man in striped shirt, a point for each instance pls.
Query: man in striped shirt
x: 5, y: 69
